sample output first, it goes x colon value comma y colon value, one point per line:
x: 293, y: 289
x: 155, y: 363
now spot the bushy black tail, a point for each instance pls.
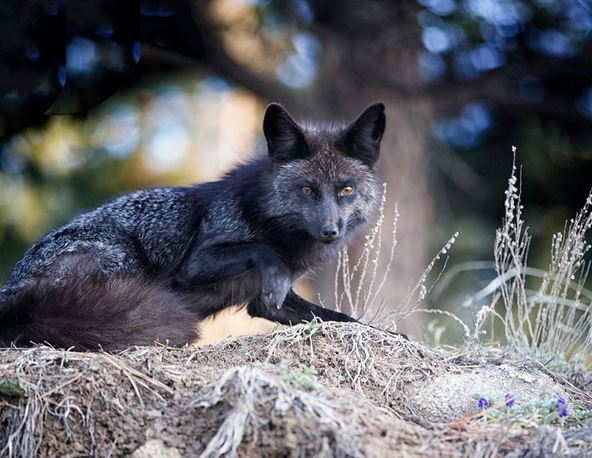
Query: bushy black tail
x: 93, y: 311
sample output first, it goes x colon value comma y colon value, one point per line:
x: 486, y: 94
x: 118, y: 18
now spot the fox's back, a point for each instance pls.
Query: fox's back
x: 135, y: 232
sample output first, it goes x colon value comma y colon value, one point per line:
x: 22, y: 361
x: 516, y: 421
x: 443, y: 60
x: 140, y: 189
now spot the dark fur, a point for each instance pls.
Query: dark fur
x: 149, y: 265
x: 109, y: 311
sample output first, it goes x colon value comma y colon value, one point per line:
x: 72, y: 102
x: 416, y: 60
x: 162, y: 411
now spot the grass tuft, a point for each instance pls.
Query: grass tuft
x: 553, y: 317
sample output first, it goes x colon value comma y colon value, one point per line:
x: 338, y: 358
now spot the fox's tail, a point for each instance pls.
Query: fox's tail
x: 94, y: 311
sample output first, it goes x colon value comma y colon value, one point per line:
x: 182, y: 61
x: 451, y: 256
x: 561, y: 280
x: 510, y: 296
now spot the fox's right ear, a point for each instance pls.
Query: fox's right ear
x: 285, y: 138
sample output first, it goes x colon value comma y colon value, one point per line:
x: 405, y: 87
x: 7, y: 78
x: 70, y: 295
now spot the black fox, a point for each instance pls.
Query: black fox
x: 149, y: 265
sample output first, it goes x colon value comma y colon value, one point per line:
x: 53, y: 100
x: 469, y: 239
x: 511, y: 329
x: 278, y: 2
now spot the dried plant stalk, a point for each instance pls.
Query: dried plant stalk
x: 555, y: 317
x: 358, y: 287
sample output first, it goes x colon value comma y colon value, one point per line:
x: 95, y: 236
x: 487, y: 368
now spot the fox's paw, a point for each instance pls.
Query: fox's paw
x: 275, y: 285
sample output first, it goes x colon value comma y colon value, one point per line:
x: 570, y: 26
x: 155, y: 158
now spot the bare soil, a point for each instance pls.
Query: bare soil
x: 310, y: 390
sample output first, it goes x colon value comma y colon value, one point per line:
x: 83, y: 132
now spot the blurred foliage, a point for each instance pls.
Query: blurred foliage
x: 163, y: 134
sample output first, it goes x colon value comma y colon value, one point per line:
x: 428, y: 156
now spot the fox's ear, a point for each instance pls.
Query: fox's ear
x: 361, y: 139
x: 285, y: 138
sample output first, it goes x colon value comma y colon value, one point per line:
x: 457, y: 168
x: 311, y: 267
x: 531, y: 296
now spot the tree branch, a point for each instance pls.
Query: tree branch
x: 210, y: 49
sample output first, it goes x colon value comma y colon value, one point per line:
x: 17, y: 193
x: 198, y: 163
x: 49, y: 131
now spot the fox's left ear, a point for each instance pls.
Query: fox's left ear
x: 361, y: 139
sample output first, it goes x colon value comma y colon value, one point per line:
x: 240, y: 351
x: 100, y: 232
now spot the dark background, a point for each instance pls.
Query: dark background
x: 105, y: 96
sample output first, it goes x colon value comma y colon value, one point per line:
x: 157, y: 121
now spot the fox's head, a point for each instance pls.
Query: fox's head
x: 324, y: 175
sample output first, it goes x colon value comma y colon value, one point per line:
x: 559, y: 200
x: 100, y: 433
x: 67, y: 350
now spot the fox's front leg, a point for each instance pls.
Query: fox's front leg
x: 295, y: 310
x: 298, y: 310
x: 225, y: 261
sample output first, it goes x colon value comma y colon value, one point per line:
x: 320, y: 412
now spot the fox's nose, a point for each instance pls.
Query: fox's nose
x: 329, y: 232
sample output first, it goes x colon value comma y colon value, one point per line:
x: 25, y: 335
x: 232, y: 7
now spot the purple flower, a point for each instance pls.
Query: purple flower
x: 561, y: 406
x: 483, y: 403
x: 509, y: 400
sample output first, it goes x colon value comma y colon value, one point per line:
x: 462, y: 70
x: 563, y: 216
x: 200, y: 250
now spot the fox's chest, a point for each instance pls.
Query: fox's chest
x: 311, y: 257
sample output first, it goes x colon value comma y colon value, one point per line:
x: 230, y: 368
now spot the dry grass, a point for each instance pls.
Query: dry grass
x: 544, y: 312
x: 233, y: 400
x: 548, y: 312
x: 245, y: 387
x: 358, y: 283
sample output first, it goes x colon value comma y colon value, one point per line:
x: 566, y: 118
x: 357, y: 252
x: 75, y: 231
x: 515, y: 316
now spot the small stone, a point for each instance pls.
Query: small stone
x: 156, y: 449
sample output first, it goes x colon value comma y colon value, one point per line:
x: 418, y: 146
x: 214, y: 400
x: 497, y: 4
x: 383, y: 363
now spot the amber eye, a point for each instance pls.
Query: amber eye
x: 347, y: 191
x: 306, y: 190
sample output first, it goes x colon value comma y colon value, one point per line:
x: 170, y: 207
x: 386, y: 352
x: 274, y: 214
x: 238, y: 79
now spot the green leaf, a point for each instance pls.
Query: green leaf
x: 10, y: 388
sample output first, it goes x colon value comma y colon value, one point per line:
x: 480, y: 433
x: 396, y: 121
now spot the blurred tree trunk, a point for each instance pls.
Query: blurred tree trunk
x: 370, y: 53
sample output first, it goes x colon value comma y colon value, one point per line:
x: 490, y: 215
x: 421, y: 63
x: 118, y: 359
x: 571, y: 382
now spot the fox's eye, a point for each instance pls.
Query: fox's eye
x: 346, y: 191
x: 306, y: 190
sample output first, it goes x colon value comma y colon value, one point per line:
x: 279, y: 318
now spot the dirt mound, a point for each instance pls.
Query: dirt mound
x: 321, y: 389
